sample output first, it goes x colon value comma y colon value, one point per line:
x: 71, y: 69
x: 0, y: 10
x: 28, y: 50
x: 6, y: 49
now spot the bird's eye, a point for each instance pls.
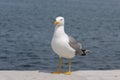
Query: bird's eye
x: 61, y: 19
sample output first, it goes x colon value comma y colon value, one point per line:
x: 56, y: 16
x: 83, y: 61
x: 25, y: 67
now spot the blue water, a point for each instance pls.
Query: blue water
x: 26, y: 29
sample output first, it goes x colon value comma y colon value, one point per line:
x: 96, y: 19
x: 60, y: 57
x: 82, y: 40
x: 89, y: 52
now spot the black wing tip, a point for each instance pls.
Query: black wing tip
x: 84, y: 52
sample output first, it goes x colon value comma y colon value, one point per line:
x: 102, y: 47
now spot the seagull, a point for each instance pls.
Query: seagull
x: 64, y: 45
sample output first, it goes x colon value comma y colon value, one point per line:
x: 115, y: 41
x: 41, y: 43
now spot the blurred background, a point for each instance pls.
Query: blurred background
x: 26, y: 29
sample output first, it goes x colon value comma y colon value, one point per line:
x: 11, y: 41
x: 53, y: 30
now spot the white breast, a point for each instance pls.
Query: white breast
x: 61, y: 46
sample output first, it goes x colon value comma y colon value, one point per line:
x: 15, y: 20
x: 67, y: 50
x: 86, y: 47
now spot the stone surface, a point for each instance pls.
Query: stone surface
x: 77, y: 75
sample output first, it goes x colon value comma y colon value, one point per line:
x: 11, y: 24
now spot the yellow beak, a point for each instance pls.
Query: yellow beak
x: 56, y: 22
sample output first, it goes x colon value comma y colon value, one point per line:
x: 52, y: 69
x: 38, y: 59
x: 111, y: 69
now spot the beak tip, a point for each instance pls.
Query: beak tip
x: 56, y: 23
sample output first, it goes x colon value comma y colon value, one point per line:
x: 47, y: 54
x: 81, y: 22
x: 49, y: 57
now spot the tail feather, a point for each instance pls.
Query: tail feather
x: 81, y: 52
x: 84, y: 52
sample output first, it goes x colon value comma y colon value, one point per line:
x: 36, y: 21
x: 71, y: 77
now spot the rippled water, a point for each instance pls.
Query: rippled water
x: 26, y: 29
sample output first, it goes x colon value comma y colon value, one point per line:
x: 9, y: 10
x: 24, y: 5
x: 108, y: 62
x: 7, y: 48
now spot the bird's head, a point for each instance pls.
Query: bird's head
x: 59, y: 21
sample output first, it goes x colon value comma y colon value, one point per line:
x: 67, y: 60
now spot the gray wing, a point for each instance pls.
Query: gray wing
x: 75, y: 45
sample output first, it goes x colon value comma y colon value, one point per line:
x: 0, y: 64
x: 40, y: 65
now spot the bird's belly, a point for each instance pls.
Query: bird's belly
x: 62, y: 48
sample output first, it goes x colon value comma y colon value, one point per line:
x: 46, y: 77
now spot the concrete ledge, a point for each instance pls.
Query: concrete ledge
x: 77, y: 75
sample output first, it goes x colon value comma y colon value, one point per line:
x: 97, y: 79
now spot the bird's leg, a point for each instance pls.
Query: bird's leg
x: 60, y: 67
x: 69, y: 68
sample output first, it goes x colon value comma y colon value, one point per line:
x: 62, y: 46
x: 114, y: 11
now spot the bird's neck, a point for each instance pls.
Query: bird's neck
x: 59, y: 30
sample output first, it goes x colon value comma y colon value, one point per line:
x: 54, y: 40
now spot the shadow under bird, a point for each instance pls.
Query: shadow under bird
x: 64, y: 45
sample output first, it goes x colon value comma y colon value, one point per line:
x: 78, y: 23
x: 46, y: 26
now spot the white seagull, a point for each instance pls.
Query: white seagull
x: 64, y: 46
